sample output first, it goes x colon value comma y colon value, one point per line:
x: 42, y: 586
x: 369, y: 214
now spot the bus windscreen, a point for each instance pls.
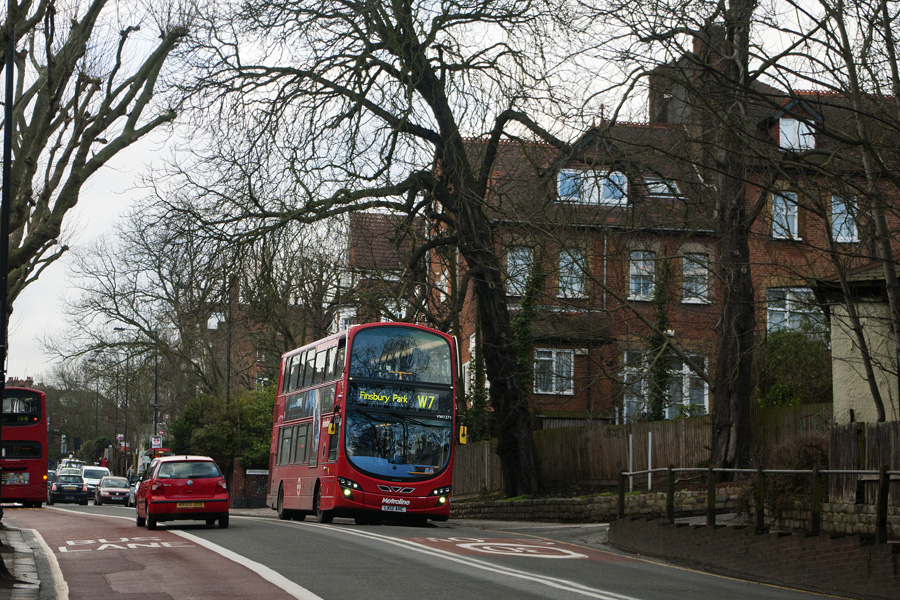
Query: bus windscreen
x: 21, y: 409
x: 401, y: 354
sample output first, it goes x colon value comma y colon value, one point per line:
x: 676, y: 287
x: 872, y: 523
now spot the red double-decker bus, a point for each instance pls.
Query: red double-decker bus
x: 23, y: 447
x: 364, y: 426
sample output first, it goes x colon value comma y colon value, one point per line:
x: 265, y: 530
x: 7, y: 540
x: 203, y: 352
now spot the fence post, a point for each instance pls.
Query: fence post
x: 760, y: 500
x: 622, y: 494
x: 670, y: 493
x: 711, y: 498
x: 815, y: 504
x: 881, y: 506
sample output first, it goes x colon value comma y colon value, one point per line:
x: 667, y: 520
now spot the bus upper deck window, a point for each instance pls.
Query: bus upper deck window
x: 301, y: 363
x: 310, y: 368
x: 339, y: 359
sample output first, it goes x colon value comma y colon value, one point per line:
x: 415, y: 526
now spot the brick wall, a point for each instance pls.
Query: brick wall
x: 247, y: 491
x: 834, y: 565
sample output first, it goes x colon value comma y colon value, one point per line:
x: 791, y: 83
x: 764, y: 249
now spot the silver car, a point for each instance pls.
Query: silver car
x: 92, y: 476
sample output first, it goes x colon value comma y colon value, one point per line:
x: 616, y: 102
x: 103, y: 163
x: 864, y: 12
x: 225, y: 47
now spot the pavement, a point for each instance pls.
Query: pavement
x: 33, y: 565
x: 21, y: 553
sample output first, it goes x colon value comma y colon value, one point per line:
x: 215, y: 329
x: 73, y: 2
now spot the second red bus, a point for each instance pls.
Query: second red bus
x: 364, y: 426
x: 23, y: 447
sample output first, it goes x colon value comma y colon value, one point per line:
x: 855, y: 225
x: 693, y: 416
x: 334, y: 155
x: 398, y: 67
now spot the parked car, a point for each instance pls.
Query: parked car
x: 182, y: 488
x: 111, y: 489
x: 71, y: 463
x: 132, y: 492
x: 68, y: 488
x: 92, y: 476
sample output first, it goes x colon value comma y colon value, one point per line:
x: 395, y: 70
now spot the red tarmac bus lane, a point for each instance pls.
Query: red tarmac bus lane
x: 105, y: 557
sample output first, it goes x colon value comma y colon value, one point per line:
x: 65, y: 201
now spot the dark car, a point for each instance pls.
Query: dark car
x: 111, y: 489
x: 176, y: 488
x: 68, y: 488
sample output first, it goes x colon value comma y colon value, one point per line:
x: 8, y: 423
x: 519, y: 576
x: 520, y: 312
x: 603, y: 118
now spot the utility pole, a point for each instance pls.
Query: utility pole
x: 5, y: 200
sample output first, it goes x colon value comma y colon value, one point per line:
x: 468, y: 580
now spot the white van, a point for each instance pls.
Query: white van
x: 92, y: 476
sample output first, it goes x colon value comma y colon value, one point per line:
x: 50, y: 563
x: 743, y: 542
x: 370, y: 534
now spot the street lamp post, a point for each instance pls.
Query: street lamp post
x: 97, y: 399
x: 155, y: 382
x: 154, y: 335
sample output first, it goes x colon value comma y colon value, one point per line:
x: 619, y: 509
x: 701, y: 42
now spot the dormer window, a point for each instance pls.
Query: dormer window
x: 795, y: 135
x: 657, y: 187
x: 592, y: 187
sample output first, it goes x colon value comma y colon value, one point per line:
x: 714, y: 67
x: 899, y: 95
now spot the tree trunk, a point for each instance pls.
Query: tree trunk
x: 731, y: 435
x: 508, y: 396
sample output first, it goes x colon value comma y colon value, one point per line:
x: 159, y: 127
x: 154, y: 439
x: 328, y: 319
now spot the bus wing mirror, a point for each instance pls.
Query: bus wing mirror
x: 463, y: 434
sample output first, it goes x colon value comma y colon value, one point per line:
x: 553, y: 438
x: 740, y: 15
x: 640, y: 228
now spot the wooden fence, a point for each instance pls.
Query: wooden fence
x: 863, y: 446
x: 596, y: 454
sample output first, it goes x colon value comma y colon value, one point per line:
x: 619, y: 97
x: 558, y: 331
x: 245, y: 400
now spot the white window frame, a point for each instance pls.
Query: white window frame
x: 794, y: 134
x: 572, y: 273
x: 788, y: 307
x: 690, y: 383
x: 344, y: 318
x: 641, y: 274
x: 392, y: 309
x: 518, y: 268
x: 658, y: 187
x: 561, y: 373
x: 843, y: 221
x: 785, y: 216
x: 695, y: 278
x: 687, y: 384
x: 579, y: 186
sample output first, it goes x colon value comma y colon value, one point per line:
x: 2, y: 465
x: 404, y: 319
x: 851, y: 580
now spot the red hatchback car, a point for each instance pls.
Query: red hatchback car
x: 176, y: 488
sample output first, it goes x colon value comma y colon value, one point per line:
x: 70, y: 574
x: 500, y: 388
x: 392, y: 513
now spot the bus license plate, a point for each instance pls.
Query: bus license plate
x: 189, y: 505
x: 393, y: 508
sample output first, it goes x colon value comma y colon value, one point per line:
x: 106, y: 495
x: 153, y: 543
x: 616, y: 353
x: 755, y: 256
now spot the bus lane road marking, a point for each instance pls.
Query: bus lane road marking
x: 443, y: 552
x: 124, y: 543
x: 530, y: 548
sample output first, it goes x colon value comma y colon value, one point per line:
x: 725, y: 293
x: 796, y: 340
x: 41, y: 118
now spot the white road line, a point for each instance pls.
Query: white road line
x: 295, y: 590
x: 563, y: 584
x: 59, y: 582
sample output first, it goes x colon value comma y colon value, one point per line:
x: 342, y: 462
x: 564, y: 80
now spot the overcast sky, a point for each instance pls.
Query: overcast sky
x: 106, y: 197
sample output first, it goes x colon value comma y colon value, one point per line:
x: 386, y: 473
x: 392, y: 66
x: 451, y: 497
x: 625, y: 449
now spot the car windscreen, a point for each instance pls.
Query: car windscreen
x: 188, y: 470
x: 114, y: 483
x: 69, y: 479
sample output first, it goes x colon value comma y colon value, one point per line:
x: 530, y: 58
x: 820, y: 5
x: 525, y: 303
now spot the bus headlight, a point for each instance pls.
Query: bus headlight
x: 347, y: 487
x: 443, y: 494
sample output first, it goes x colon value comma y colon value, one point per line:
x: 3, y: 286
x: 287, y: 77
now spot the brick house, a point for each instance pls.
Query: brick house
x: 625, y: 239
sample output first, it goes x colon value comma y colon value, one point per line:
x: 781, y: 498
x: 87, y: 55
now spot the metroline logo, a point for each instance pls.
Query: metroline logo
x: 400, y: 501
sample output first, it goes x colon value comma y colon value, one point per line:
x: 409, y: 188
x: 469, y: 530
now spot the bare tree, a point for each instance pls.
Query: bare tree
x: 84, y: 92
x: 367, y: 106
